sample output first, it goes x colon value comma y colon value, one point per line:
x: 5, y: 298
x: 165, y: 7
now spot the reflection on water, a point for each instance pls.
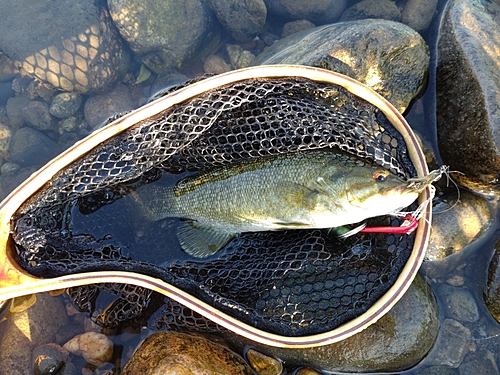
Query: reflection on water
x: 68, y: 66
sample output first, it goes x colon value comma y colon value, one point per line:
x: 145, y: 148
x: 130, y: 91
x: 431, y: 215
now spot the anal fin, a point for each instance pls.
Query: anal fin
x: 200, y: 241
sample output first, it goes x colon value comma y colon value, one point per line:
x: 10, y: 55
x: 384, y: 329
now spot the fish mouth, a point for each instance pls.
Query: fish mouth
x: 418, y: 184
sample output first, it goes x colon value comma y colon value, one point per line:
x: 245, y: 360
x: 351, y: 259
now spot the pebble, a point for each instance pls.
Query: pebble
x: 94, y: 347
x: 215, y: 65
x: 30, y: 147
x: 173, y: 353
x: 382, y: 9
x: 9, y: 168
x: 65, y: 104
x: 5, y: 137
x: 317, y: 11
x: 14, y: 108
x: 68, y: 124
x: 458, y: 303
x: 451, y: 345
x: 99, y: 108
x: 8, y: 68
x: 263, y: 364
x: 50, y: 359
x: 418, y: 14
x: 239, y: 57
x: 293, y: 27
x: 307, y: 371
x: 37, y: 114
x: 243, y: 21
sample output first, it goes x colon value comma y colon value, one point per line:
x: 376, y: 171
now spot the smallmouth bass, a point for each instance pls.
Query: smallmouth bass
x: 304, y: 190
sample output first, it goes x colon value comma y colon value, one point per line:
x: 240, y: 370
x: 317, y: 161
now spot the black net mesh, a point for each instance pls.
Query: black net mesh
x: 292, y: 283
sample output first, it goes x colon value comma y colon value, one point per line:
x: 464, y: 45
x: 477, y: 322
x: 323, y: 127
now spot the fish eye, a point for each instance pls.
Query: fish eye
x: 380, y: 176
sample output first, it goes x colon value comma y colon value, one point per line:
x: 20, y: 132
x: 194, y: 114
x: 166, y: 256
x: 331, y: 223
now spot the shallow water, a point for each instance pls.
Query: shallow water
x: 471, y: 264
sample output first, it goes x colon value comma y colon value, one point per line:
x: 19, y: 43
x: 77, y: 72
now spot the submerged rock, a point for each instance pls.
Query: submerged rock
x: 384, y: 9
x: 451, y: 346
x: 317, y: 11
x: 169, y: 353
x: 492, y: 290
x: 387, y: 56
x: 163, y: 34
x: 94, y: 347
x: 418, y: 14
x: 30, y: 147
x: 73, y: 48
x: 468, y: 83
x: 396, y: 342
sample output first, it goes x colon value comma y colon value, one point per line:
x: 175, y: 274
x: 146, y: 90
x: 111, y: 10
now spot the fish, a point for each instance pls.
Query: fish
x: 302, y: 190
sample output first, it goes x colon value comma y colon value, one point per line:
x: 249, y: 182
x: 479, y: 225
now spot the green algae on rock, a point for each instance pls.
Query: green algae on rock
x: 387, y: 56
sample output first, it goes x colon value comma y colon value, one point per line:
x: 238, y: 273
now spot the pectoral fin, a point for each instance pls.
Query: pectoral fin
x: 200, y: 241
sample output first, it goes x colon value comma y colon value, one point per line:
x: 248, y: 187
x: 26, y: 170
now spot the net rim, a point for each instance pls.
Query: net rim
x: 14, y: 281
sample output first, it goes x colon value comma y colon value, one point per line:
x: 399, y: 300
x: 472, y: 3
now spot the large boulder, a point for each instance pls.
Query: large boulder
x: 387, y: 56
x: 468, y: 83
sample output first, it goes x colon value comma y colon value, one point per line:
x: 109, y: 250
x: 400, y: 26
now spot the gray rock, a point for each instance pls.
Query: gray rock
x: 436, y: 370
x: 418, y: 14
x: 239, y: 57
x: 317, y: 11
x: 23, y: 332
x: 37, y: 114
x: 215, y: 65
x: 387, y: 56
x: 458, y: 303
x: 10, y: 180
x: 99, y: 108
x: 479, y: 363
x: 451, y: 345
x: 384, y: 9
x: 65, y: 104
x: 243, y: 19
x: 397, y: 341
x: 179, y: 353
x: 164, y: 34
x: 468, y: 82
x: 6, y: 92
x: 78, y: 50
x: 457, y: 222
x: 9, y: 168
x: 30, y: 147
x: 5, y: 136
x: 14, y: 108
x: 293, y: 27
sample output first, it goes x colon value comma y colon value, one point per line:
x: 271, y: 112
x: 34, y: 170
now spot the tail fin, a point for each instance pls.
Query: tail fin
x: 155, y: 202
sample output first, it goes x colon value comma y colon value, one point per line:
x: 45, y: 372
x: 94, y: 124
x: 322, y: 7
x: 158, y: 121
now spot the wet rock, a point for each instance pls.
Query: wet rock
x: 15, y: 107
x: 78, y: 50
x: 263, y: 364
x: 436, y: 370
x: 458, y: 303
x: 6, y: 92
x: 468, y: 82
x: 307, y: 371
x: 30, y: 147
x: 163, y: 34
x: 384, y: 9
x: 7, y: 68
x: 492, y: 290
x: 26, y: 330
x: 9, y: 181
x: 479, y: 363
x: 397, y: 341
x: 317, y: 11
x: 457, y: 222
x: 69, y: 124
x: 387, y: 56
x: 215, y: 65
x: 65, y: 104
x: 169, y: 353
x: 94, y: 347
x: 451, y: 345
x: 243, y: 19
x: 239, y: 57
x: 293, y: 27
x: 37, y: 114
x: 99, y: 108
x: 51, y: 359
x: 5, y: 136
x: 418, y: 14
x: 9, y: 168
